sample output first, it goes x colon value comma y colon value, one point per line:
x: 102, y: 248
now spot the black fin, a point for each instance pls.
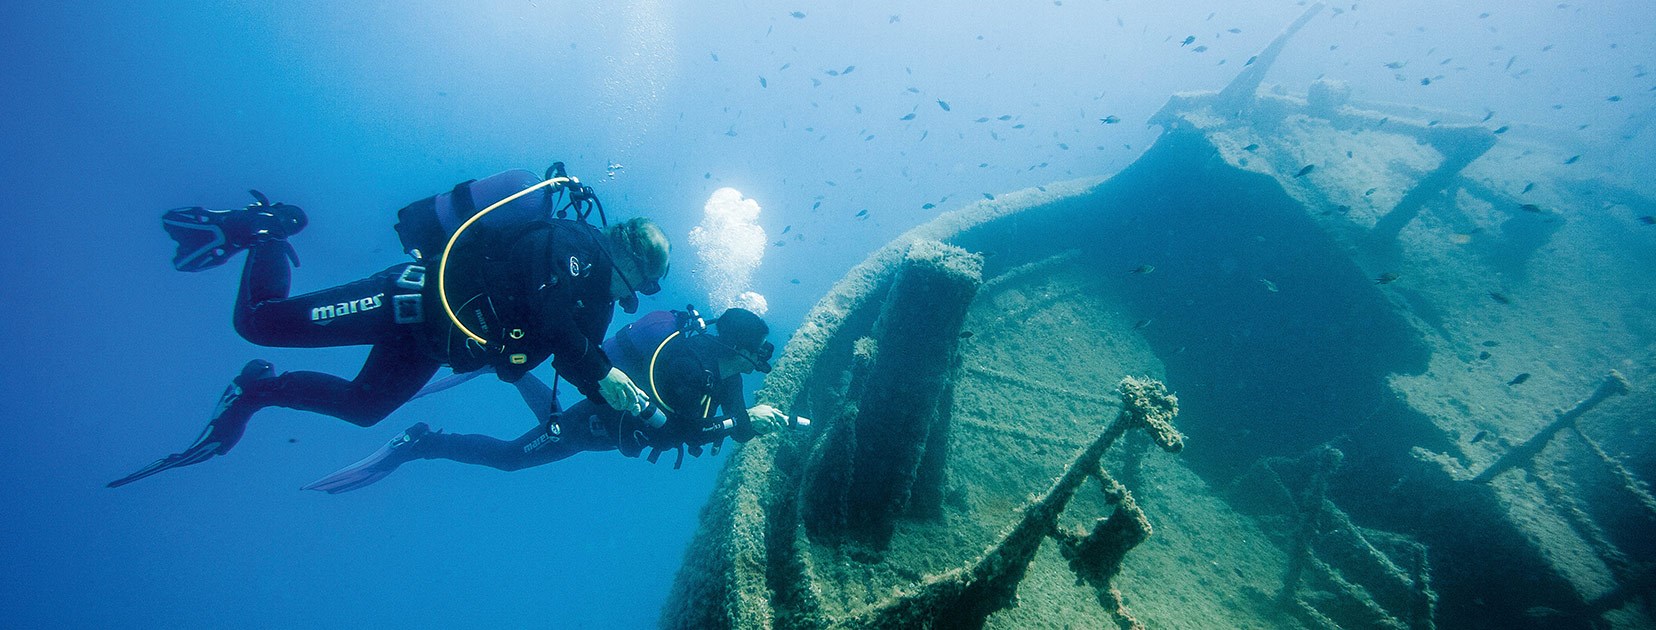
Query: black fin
x: 202, y: 243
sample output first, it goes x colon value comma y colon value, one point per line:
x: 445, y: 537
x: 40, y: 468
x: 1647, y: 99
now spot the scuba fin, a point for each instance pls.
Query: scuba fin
x: 209, y: 238
x: 374, y: 467
x: 222, y: 432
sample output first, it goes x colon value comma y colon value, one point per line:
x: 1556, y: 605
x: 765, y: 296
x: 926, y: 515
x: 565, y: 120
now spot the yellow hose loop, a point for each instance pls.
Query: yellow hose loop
x: 653, y: 392
x: 442, y: 267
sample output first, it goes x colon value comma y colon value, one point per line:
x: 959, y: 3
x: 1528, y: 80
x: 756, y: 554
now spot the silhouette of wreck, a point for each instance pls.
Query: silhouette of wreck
x: 1343, y: 297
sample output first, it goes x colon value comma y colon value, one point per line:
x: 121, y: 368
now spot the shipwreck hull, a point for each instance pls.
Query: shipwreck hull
x: 1342, y: 299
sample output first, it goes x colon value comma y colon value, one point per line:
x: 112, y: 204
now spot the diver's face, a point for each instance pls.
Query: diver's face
x: 732, y: 362
x: 620, y: 287
x: 629, y: 278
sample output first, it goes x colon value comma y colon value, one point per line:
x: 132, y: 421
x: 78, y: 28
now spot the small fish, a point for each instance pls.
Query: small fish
x: 1519, y: 379
x: 928, y: 206
x: 1530, y: 207
x: 1269, y: 286
x: 1614, y: 99
x: 1490, y: 343
x: 914, y: 90
x: 988, y: 196
x: 848, y: 70
x: 293, y: 440
x: 816, y: 205
x: 1110, y: 120
x: 1499, y: 298
x: 1306, y: 171
x: 1142, y: 269
x: 1483, y: 356
x: 1251, y: 60
x: 1502, y: 129
x: 1004, y: 117
x: 863, y: 213
x: 763, y: 83
x: 1187, y: 41
x: 832, y: 73
x: 731, y: 132
x: 1488, y: 114
x: 1233, y: 31
x: 1386, y: 278
x: 1018, y: 126
x: 794, y: 281
x: 908, y: 117
x: 965, y: 334
x: 1142, y: 323
x: 815, y: 82
x: 1572, y: 159
x: 1369, y: 192
x: 943, y: 104
x: 715, y: 56
x: 1426, y: 81
x: 1395, y: 65
x: 1063, y: 146
x: 785, y: 66
x: 798, y: 15
x: 1251, y: 148
x: 1479, y: 437
x: 1528, y: 187
x: 1648, y: 220
x: 786, y: 229
x: 1199, y: 49
x: 982, y: 120
x: 780, y: 242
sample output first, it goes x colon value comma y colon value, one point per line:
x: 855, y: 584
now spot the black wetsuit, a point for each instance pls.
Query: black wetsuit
x: 549, y: 280
x: 688, y: 380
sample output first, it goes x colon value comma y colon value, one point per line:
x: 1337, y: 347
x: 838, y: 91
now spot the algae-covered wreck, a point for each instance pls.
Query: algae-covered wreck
x: 1367, y: 313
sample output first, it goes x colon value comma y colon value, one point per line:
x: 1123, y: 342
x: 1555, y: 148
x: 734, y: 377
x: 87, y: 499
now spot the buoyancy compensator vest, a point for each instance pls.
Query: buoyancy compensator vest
x: 465, y: 237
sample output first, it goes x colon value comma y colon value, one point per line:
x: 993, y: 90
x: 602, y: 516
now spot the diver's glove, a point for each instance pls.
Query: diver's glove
x: 620, y: 393
x: 764, y: 419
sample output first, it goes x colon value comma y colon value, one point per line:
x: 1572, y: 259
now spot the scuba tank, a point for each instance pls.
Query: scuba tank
x: 632, y: 347
x: 425, y: 227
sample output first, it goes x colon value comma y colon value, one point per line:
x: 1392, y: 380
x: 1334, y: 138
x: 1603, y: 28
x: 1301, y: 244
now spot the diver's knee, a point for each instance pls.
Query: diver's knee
x: 248, y: 325
x: 373, y: 409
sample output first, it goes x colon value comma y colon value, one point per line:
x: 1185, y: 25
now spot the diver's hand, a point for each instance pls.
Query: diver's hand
x: 765, y: 419
x: 619, y: 391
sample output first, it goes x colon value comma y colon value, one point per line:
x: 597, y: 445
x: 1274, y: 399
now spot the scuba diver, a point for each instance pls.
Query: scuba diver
x: 691, y: 375
x: 501, y: 280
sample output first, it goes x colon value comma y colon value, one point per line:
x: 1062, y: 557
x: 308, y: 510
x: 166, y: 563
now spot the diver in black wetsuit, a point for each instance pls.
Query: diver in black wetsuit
x: 695, y: 379
x: 522, y: 286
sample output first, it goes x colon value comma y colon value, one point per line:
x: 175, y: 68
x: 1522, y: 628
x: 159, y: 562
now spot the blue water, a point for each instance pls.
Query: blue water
x: 113, y: 112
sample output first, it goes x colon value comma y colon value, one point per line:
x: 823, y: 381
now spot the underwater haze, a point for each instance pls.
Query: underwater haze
x: 847, y: 123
